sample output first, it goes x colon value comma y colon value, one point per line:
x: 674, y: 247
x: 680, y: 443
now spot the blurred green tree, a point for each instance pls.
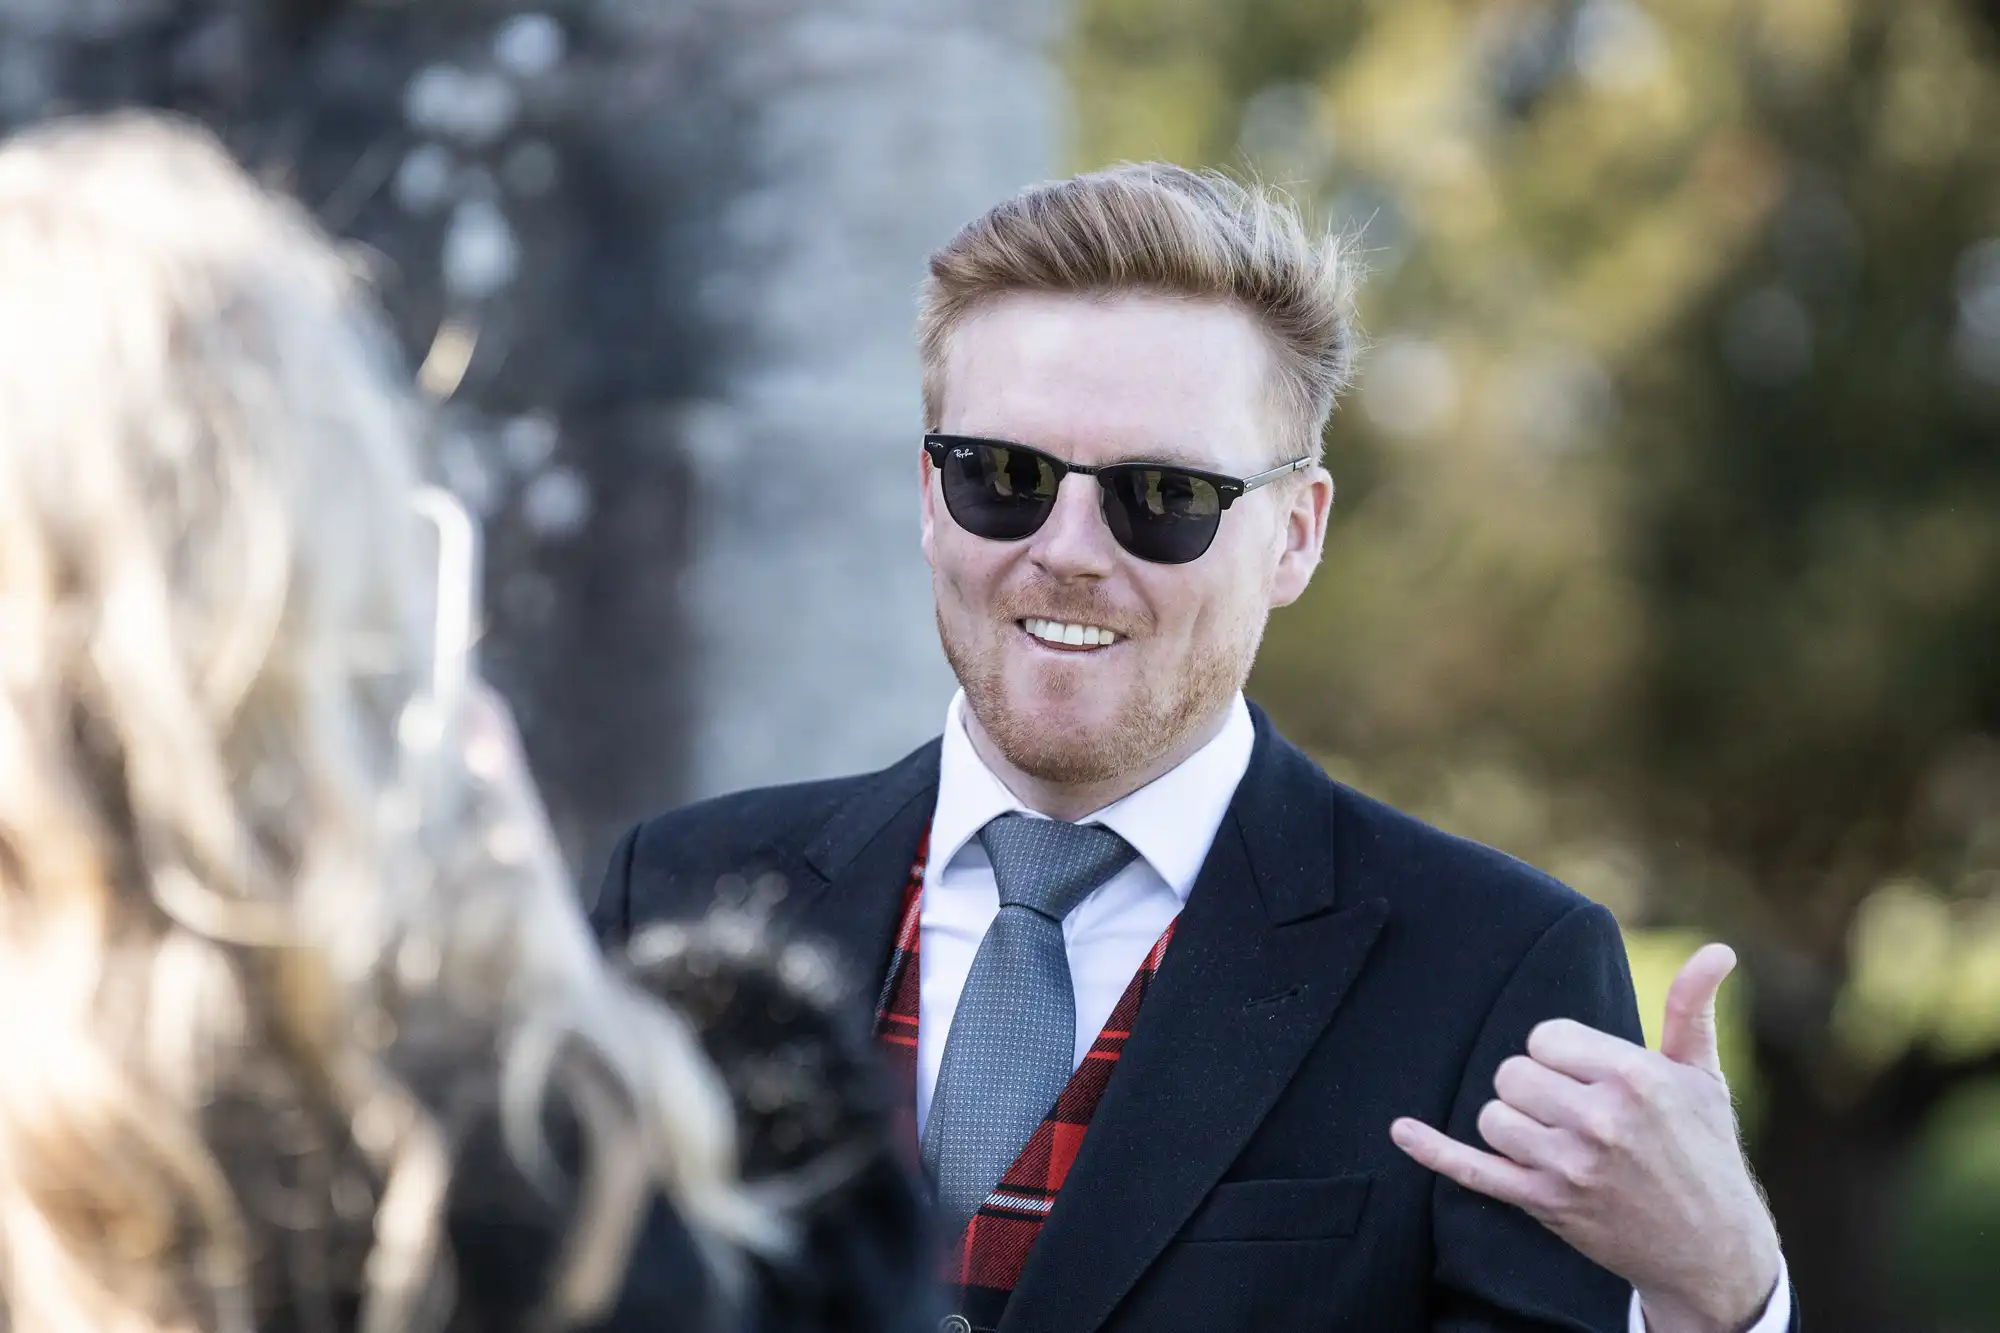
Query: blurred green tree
x: 1668, y: 548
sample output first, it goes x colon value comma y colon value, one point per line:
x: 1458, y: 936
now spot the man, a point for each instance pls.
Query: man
x: 1159, y: 988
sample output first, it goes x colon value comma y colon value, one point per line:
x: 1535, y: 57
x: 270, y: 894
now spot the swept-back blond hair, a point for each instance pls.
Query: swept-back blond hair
x: 236, y: 948
x: 1152, y: 227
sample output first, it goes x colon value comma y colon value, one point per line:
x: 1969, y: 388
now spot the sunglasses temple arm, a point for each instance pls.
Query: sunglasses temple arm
x: 1283, y: 470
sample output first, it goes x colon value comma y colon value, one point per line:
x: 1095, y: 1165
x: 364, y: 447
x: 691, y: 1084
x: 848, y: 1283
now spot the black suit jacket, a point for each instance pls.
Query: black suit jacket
x: 1337, y: 965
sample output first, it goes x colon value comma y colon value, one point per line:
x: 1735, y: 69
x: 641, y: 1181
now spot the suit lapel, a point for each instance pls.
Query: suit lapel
x: 859, y: 862
x: 1263, y: 954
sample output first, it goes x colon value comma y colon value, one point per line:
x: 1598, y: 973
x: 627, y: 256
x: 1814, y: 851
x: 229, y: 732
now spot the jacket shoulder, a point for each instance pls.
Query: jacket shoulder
x: 1467, y: 925
x: 670, y: 866
x: 1429, y: 869
x: 1431, y: 879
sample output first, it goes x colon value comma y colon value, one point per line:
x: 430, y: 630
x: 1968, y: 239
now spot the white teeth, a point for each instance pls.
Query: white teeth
x: 1076, y: 636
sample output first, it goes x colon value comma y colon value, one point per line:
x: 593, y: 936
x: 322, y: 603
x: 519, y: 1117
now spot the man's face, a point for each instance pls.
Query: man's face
x: 1132, y: 378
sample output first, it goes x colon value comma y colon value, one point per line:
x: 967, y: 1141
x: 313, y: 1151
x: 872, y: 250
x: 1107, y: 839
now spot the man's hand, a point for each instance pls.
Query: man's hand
x: 1632, y: 1157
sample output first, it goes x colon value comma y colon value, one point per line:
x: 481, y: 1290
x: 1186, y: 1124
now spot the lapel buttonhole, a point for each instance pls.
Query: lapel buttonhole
x: 1265, y: 1002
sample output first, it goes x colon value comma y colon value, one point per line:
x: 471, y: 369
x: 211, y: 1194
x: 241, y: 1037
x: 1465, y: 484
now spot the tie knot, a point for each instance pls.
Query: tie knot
x: 1048, y: 865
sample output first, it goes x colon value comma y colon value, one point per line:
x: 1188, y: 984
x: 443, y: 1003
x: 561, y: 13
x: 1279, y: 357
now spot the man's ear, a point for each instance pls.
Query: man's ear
x: 928, y: 511
x: 1305, y: 519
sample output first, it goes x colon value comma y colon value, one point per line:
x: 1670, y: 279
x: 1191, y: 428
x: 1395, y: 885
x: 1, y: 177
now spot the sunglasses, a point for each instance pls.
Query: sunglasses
x: 1167, y: 515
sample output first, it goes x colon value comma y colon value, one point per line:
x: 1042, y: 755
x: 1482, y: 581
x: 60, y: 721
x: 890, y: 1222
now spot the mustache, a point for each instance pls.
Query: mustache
x: 1071, y: 608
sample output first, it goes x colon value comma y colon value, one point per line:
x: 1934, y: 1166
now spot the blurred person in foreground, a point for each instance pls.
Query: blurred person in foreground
x: 301, y: 1027
x: 1158, y: 988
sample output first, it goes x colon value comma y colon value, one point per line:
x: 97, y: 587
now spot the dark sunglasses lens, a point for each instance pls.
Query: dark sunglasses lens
x: 1161, y: 515
x: 995, y: 491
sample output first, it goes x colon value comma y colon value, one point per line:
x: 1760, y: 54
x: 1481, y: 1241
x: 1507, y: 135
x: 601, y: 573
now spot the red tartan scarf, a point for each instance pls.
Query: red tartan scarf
x: 987, y: 1261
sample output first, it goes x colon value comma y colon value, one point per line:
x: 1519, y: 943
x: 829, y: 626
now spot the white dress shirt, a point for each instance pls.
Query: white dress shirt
x: 1170, y: 822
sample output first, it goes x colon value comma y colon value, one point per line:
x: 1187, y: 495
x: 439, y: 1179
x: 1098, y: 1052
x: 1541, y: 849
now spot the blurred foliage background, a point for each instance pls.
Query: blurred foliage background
x: 1667, y: 548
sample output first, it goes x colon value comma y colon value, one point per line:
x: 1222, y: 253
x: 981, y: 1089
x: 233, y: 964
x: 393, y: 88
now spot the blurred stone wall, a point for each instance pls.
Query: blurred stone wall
x: 658, y: 259
x: 879, y: 127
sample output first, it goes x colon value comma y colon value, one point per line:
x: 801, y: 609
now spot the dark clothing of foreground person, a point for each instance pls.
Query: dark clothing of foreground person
x: 814, y: 1122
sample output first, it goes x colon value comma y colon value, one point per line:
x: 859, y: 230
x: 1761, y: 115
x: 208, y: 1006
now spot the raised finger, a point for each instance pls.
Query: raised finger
x: 1481, y: 1172
x: 1583, y: 1053
x: 1545, y: 1094
x: 1520, y: 1138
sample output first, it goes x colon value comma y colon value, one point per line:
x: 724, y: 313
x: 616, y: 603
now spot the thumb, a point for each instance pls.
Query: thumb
x: 1688, y: 1035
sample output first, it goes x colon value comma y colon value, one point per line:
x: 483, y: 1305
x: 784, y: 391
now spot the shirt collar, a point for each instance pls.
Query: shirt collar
x: 1171, y: 821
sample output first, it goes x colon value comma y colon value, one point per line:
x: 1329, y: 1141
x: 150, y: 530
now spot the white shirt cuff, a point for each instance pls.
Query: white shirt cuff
x: 1777, y: 1316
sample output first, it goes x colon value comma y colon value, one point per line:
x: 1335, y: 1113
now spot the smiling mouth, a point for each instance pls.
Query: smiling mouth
x: 1072, y: 637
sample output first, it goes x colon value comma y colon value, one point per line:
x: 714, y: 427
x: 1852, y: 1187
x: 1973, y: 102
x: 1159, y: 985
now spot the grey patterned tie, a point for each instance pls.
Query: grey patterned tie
x: 1012, y: 1044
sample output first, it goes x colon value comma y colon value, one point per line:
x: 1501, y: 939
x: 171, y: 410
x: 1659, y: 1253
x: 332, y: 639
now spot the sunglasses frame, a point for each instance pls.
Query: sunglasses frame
x: 1228, y: 490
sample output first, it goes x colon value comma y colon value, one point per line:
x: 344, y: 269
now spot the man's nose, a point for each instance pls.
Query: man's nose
x: 1074, y: 542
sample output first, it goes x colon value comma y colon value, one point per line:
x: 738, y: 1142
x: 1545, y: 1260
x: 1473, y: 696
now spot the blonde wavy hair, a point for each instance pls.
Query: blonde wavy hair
x: 239, y: 944
x: 1159, y: 228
